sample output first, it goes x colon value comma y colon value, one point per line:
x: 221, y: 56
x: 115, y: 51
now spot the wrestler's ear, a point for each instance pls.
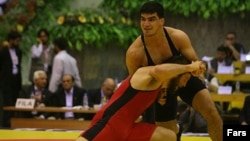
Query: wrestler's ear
x: 162, y: 20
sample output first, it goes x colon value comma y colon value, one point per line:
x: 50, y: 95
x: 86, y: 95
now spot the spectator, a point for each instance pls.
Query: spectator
x: 245, y: 112
x: 233, y: 48
x: 42, y: 54
x: 10, y: 73
x: 221, y: 59
x: 69, y: 96
x: 39, y: 92
x: 96, y: 96
x: 63, y: 63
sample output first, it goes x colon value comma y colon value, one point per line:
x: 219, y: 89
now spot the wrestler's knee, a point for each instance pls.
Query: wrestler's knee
x: 162, y: 133
x: 172, y: 125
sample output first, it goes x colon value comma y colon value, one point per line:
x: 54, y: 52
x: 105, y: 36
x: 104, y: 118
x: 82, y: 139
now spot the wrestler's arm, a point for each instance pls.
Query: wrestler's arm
x: 134, y: 57
x: 155, y: 75
x: 166, y: 71
x: 183, y: 44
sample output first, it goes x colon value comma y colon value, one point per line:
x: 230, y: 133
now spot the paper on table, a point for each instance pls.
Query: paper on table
x: 225, y: 70
x: 247, y: 70
x: 225, y: 90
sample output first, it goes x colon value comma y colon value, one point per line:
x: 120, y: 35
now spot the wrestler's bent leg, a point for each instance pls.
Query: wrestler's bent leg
x: 204, y: 104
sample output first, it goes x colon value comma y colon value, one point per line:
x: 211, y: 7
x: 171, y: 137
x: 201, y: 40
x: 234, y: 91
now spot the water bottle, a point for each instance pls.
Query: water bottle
x: 237, y: 87
x: 85, y: 101
x: 103, y: 101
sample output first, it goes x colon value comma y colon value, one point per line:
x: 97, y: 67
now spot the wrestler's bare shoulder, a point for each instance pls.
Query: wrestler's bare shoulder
x: 178, y: 36
x: 175, y: 32
x: 136, y: 47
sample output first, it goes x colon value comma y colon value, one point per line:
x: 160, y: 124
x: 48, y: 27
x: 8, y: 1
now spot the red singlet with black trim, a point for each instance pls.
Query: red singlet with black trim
x: 115, y: 121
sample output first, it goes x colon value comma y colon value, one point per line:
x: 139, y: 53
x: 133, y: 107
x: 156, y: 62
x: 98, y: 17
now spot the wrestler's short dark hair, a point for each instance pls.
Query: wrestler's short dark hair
x: 174, y: 81
x: 152, y: 7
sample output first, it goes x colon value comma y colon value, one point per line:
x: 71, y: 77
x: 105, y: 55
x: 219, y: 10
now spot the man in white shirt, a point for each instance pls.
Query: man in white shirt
x: 63, y: 63
x: 42, y: 54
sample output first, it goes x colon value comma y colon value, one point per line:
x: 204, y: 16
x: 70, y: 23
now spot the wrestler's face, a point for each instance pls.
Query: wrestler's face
x: 151, y: 24
x: 183, y: 80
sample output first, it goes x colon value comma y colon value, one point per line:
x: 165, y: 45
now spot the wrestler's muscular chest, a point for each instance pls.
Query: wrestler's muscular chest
x: 159, y: 53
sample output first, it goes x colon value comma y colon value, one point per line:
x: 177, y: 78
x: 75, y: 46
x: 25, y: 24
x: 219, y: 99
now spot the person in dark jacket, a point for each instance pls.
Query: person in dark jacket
x: 43, y: 97
x: 10, y: 73
x: 69, y: 96
x: 103, y: 94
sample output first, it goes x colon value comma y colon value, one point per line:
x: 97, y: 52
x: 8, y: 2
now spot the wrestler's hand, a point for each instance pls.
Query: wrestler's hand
x: 199, y: 67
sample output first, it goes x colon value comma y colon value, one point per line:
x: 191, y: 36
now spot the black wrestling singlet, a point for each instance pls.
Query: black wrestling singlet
x: 149, y: 114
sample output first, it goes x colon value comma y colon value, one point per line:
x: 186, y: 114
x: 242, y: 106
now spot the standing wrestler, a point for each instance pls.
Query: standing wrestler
x: 116, y: 120
x: 156, y: 44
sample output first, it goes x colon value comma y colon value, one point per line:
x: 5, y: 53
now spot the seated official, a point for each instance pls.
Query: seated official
x: 39, y: 92
x: 69, y: 96
x: 101, y: 95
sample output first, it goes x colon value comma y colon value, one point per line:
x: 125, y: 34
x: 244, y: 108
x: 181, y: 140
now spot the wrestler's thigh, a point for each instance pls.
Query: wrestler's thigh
x: 141, y: 131
x: 204, y: 103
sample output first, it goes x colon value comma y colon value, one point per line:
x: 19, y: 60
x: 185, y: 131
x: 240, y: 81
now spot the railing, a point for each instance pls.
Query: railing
x: 72, y: 124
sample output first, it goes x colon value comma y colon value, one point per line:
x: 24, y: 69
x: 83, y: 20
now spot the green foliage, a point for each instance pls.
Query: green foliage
x: 95, y: 28
x: 28, y: 16
x: 82, y: 28
x: 114, y: 22
x: 202, y: 8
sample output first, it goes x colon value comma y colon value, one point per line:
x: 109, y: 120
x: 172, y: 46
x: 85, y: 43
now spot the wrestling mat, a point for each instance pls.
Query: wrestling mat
x: 66, y: 135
